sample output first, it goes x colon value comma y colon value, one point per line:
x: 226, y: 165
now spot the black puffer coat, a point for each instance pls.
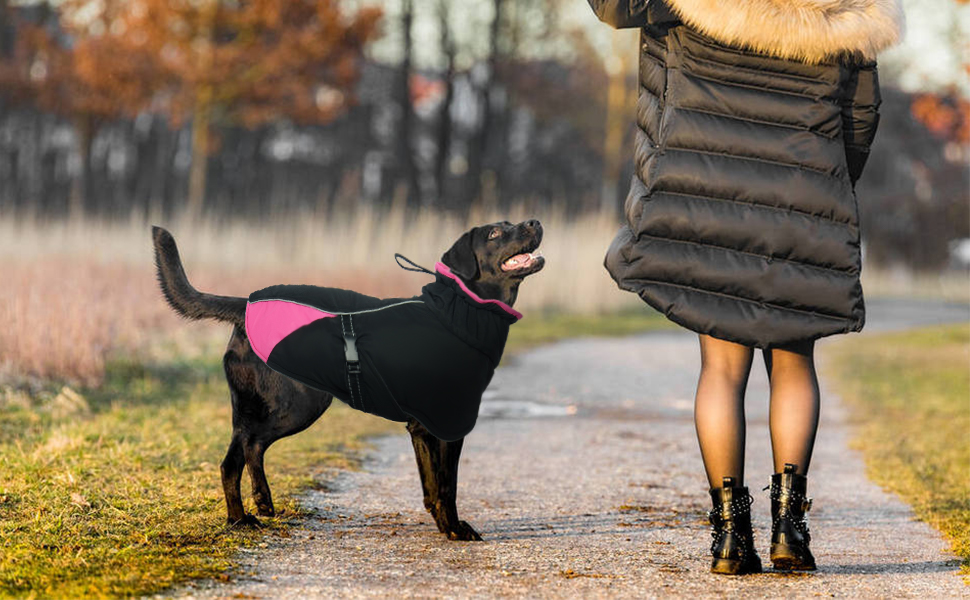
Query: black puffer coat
x: 754, y: 119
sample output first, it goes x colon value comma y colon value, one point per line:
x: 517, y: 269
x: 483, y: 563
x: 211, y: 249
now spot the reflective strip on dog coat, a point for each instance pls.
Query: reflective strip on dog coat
x: 429, y: 357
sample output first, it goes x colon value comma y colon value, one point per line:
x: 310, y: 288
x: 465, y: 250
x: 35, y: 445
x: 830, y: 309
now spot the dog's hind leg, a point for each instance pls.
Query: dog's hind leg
x: 231, y: 469
x: 266, y: 407
x: 438, y: 466
x: 294, y: 408
x: 262, y: 497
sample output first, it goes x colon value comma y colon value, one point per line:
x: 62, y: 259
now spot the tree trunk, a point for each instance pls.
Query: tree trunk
x: 202, y: 113
x: 80, y: 196
x: 616, y: 121
x: 444, y: 115
x: 405, y: 150
x: 479, y: 146
x: 6, y: 31
x: 200, y: 153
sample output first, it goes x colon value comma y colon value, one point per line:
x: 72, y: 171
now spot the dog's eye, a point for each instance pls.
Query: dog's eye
x: 494, y: 233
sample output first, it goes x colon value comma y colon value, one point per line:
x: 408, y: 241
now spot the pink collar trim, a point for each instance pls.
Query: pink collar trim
x: 442, y: 268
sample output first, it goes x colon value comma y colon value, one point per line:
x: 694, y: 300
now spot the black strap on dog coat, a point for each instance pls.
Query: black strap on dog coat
x: 429, y: 357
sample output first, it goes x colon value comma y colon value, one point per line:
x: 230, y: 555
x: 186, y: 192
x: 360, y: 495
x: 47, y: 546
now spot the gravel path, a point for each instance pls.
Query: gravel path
x: 585, y: 481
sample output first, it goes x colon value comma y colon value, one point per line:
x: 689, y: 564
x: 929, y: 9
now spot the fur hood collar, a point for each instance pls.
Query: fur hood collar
x: 805, y: 30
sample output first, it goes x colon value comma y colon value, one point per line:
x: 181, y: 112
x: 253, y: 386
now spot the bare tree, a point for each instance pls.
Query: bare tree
x: 479, y: 144
x: 448, y: 50
x: 620, y: 103
x: 406, y: 104
x: 6, y: 30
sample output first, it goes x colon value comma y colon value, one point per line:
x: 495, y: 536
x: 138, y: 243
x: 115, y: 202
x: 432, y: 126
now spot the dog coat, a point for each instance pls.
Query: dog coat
x: 429, y: 357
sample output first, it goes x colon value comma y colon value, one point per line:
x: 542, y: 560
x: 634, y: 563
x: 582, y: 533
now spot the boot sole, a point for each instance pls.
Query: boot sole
x: 783, y: 558
x: 727, y: 566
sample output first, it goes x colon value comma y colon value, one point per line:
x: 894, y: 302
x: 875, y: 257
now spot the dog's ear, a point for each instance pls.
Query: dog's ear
x: 461, y: 258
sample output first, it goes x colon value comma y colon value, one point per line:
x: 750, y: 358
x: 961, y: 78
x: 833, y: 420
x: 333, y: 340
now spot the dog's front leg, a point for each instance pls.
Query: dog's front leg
x: 438, y: 467
x: 423, y: 453
x: 449, y: 455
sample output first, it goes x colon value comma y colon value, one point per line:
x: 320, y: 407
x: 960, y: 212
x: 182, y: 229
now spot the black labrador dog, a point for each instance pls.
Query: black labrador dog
x: 491, y: 260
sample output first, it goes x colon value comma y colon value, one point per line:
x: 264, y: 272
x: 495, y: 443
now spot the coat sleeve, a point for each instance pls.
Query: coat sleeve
x: 860, y: 117
x: 621, y: 13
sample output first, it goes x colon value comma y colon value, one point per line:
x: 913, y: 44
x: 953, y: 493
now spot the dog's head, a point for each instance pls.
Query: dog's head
x: 493, y: 259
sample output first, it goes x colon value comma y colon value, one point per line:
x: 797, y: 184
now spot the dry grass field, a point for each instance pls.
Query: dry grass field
x: 74, y: 293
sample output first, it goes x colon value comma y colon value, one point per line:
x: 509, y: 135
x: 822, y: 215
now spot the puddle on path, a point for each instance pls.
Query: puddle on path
x: 496, y: 406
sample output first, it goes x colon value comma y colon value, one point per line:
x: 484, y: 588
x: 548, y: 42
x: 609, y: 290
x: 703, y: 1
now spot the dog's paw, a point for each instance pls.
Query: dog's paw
x: 464, y: 533
x: 247, y: 521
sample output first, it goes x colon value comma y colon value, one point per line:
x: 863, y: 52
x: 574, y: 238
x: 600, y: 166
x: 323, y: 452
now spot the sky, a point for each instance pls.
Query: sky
x: 936, y: 49
x: 931, y: 57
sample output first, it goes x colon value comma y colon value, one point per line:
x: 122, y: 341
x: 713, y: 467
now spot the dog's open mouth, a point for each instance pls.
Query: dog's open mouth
x: 521, y: 261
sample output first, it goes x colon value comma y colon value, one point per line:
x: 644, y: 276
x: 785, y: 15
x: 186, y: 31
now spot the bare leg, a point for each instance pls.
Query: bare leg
x: 794, y: 405
x: 719, y: 408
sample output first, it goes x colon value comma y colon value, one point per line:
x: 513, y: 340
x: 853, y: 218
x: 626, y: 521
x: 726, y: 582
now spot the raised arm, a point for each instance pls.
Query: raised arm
x: 621, y: 13
x: 860, y: 117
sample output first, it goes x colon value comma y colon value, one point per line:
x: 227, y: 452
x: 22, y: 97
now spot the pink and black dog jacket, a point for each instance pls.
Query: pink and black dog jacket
x: 429, y: 357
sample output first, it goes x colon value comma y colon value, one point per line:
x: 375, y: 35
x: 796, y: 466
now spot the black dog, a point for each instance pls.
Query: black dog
x: 491, y: 261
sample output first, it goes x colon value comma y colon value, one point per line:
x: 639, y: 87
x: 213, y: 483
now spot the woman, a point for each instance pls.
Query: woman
x: 754, y: 119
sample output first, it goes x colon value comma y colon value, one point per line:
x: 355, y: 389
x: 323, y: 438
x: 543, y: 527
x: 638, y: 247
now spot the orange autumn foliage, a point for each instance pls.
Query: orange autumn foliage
x: 947, y: 116
x: 85, y: 79
x: 250, y: 62
x: 216, y: 62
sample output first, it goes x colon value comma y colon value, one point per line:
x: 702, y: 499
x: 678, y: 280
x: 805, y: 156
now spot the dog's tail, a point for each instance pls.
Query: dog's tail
x: 181, y: 296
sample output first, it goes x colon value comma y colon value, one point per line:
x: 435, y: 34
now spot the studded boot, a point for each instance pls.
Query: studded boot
x: 733, y: 547
x: 789, y: 529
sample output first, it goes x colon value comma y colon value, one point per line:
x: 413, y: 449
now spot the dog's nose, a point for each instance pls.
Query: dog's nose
x: 533, y: 224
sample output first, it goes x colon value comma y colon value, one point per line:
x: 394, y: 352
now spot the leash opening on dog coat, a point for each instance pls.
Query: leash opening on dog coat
x: 429, y: 357
x: 419, y: 269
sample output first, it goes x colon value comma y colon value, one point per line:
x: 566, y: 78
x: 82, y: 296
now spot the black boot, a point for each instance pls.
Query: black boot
x: 789, y: 531
x: 733, y: 547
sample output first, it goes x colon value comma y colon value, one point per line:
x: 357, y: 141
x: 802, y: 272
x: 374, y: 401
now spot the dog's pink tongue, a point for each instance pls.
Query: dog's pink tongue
x: 517, y: 261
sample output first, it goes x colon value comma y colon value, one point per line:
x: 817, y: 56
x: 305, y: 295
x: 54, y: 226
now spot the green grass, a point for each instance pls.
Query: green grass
x: 115, y: 491
x: 909, y: 395
x: 122, y: 496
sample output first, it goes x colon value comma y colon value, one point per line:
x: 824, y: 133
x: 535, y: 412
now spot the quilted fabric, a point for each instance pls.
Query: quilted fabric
x: 741, y: 221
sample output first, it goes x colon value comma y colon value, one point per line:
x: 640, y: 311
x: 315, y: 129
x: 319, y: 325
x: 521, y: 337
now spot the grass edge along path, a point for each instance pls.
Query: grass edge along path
x: 121, y: 496
x: 115, y: 491
x: 908, y: 395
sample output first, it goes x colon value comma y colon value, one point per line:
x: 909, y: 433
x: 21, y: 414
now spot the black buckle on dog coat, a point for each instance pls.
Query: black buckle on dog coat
x: 350, y: 348
x: 429, y: 357
x: 353, y: 361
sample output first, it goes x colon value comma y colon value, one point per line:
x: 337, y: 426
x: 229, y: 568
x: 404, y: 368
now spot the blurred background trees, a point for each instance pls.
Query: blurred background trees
x: 201, y: 66
x: 257, y: 108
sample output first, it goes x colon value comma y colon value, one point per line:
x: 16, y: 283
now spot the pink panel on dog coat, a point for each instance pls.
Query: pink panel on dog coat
x: 269, y: 321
